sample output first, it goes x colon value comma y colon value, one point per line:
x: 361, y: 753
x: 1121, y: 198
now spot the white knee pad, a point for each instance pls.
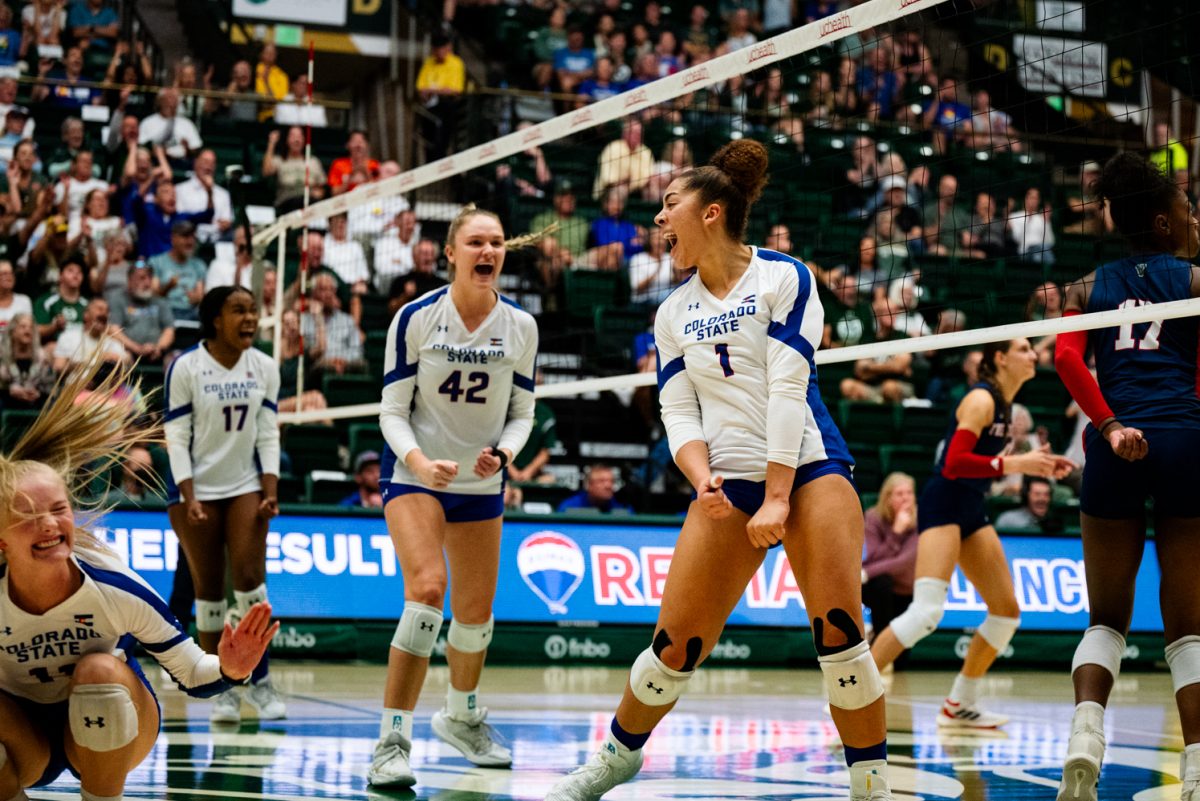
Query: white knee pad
x: 655, y: 684
x: 470, y: 639
x: 924, y: 613
x: 210, y: 616
x: 998, y: 631
x: 418, y: 629
x: 1100, y: 646
x: 851, y: 678
x: 102, y: 716
x: 1183, y: 657
x: 242, y: 601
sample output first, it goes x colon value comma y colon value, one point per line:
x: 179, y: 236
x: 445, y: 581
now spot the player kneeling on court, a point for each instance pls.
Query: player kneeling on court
x: 82, y: 703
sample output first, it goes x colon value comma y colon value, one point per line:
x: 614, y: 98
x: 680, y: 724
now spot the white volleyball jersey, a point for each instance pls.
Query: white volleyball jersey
x: 221, y: 425
x: 113, y: 609
x: 452, y: 392
x: 738, y: 373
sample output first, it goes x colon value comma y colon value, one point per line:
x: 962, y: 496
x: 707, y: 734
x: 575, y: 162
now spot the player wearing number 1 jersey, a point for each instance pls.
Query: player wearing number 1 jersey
x: 746, y: 425
x: 223, y: 441
x: 1143, y: 442
x: 457, y: 405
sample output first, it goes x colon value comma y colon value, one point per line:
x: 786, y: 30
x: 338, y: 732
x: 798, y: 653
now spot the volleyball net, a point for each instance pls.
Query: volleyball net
x: 931, y: 162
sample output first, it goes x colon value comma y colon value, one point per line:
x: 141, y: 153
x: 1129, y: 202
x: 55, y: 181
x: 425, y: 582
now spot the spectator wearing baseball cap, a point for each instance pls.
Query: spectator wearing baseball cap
x: 16, y: 121
x: 569, y: 241
x: 366, y: 476
x: 179, y: 275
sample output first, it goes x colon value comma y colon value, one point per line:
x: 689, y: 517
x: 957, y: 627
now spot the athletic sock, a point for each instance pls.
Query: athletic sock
x: 461, y: 704
x: 873, y: 752
x: 623, y: 739
x: 965, y: 691
x: 400, y: 720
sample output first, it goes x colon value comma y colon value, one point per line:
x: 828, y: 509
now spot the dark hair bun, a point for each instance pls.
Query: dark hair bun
x: 745, y: 162
x: 1126, y: 174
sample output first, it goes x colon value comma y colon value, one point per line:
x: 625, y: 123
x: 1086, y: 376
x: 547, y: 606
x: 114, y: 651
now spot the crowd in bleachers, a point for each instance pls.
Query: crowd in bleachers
x: 917, y: 203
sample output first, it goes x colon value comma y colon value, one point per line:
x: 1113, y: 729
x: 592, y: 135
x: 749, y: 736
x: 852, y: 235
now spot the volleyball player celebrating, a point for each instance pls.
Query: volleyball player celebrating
x: 1143, y: 442
x: 954, y: 530
x: 223, y: 443
x: 457, y: 404
x: 746, y: 425
x: 72, y: 697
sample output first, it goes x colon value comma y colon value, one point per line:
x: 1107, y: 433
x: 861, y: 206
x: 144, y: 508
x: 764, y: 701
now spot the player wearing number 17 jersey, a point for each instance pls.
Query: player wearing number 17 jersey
x: 1143, y: 442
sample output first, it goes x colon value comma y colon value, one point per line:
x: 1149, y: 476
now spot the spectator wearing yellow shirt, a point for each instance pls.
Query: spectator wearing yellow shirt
x: 1168, y: 155
x: 625, y: 163
x: 269, y: 80
x: 440, y: 83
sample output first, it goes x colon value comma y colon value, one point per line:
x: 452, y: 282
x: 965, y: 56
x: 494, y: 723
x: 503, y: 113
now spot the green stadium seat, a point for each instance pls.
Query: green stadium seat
x: 868, y: 468
x: 365, y: 437
x: 1044, y: 390
x: 329, y: 491
x: 312, y: 447
x: 375, y: 316
x: 923, y: 425
x: 868, y: 422
x: 916, y: 460
x: 375, y: 348
x: 346, y: 390
x: 14, y: 423
x: 615, y: 331
x: 587, y: 289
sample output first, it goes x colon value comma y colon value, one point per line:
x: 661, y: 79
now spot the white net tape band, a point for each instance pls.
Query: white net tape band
x: 957, y: 339
x: 740, y: 62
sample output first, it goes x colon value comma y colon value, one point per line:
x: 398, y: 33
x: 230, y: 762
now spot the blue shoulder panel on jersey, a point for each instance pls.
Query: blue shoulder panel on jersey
x: 403, y: 369
x: 523, y: 382
x: 162, y: 647
x: 788, y: 332
x: 669, y: 370
x: 134, y: 588
x: 172, y: 414
x: 511, y: 302
x: 170, y: 373
x: 270, y: 405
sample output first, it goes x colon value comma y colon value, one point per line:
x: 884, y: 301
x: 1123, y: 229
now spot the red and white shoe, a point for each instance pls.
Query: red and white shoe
x: 961, y: 716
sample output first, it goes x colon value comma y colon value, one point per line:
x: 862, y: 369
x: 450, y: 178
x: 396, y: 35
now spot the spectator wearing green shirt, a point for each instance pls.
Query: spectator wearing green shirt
x: 62, y: 308
x: 1167, y: 154
x: 568, y: 242
x: 527, y: 465
x: 947, y: 225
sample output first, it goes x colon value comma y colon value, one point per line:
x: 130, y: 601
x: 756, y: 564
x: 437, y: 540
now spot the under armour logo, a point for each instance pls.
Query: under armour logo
x: 657, y: 690
x: 443, y: 328
x: 97, y: 722
x: 847, y: 682
x: 693, y: 306
x: 426, y: 627
x: 7, y: 630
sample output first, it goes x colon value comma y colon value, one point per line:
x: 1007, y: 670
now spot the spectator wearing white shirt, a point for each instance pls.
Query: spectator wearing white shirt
x: 223, y: 272
x: 369, y: 220
x: 177, y: 135
x: 345, y: 257
x: 394, y: 250
x: 192, y: 196
x: 650, y: 272
x: 1031, y: 230
x: 77, y: 344
x: 295, y: 110
x: 94, y: 223
x: 75, y: 184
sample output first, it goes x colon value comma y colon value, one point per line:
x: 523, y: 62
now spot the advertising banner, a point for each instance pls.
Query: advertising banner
x: 559, y: 571
x: 312, y: 12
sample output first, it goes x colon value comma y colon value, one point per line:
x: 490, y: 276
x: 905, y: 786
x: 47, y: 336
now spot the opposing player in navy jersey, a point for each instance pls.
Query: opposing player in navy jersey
x: 457, y: 405
x: 223, y: 442
x: 72, y: 696
x: 955, y: 530
x: 1143, y: 442
x: 746, y: 425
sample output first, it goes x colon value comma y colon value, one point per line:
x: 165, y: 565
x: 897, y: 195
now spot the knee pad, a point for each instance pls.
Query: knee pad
x: 242, y: 601
x: 102, y: 716
x: 210, y: 616
x: 998, y: 631
x: 655, y: 684
x: 1100, y: 646
x: 924, y: 613
x: 1183, y: 657
x: 470, y: 639
x: 851, y: 678
x: 418, y: 629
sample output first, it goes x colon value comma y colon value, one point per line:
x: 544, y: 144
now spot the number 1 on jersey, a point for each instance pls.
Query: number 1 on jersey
x: 723, y: 354
x: 1125, y: 339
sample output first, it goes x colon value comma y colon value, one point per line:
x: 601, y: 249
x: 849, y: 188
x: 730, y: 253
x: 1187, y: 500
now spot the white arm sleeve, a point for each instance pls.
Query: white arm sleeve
x: 267, y: 441
x: 400, y: 382
x: 676, y: 394
x: 177, y: 394
x: 793, y: 335
x: 520, y: 405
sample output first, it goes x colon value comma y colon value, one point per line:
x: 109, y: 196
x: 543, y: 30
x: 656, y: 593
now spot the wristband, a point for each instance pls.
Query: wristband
x: 236, y: 682
x: 501, y: 455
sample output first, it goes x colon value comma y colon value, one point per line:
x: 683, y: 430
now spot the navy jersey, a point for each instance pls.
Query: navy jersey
x: 1147, y: 371
x: 992, y: 440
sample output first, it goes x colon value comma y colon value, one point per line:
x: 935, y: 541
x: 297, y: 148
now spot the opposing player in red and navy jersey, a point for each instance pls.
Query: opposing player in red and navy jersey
x: 1143, y: 442
x: 72, y: 696
x: 955, y: 530
x: 746, y: 425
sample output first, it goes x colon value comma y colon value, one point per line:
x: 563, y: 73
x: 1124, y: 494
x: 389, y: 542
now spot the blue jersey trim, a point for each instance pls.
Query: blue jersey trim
x: 524, y: 382
x: 403, y: 369
x: 271, y: 405
x: 174, y: 414
x: 129, y: 585
x: 162, y: 647
x: 669, y: 370
x: 788, y: 332
x: 170, y: 374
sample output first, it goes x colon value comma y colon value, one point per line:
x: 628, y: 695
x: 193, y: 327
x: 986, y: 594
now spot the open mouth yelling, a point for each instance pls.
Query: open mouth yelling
x: 485, y: 269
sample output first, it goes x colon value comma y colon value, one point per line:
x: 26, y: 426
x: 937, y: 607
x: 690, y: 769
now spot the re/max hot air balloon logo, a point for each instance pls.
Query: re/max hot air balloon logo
x: 552, y: 565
